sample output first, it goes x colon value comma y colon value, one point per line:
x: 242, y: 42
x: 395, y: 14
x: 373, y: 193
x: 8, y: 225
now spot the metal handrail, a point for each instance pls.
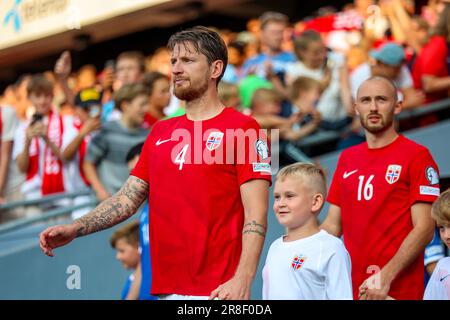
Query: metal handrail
x: 13, y: 225
x: 427, y: 108
x: 46, y: 199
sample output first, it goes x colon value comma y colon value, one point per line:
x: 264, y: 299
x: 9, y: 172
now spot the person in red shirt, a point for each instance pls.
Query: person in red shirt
x: 429, y: 70
x: 207, y: 176
x: 380, y: 200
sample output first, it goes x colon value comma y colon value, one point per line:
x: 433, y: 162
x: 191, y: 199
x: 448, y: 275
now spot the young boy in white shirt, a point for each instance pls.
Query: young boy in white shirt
x: 438, y: 287
x: 306, y: 263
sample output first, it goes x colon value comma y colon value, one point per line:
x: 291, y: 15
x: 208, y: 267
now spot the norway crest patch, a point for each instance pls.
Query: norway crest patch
x: 393, y: 173
x: 298, y: 261
x: 214, y: 140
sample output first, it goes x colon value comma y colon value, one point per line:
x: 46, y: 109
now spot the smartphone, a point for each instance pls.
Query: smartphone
x: 94, y: 111
x: 110, y: 64
x: 35, y: 118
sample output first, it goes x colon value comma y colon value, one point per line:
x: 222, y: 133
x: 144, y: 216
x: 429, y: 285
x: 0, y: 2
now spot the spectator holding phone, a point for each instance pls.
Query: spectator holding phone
x: 37, y: 143
x: 75, y: 141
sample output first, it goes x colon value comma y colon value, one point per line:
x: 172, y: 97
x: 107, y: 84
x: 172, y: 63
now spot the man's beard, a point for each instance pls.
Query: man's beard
x: 379, y: 127
x: 190, y: 93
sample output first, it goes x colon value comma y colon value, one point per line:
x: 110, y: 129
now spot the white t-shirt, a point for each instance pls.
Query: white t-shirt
x: 31, y: 189
x: 9, y: 125
x: 330, y: 103
x: 438, y: 287
x: 363, y: 72
x: 313, y: 268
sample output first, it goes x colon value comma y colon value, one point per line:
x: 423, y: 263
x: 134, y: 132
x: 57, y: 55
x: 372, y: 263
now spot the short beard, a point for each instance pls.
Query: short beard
x: 190, y: 93
x: 385, y: 124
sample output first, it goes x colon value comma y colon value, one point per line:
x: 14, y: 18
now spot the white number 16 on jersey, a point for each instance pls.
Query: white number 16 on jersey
x: 368, y: 188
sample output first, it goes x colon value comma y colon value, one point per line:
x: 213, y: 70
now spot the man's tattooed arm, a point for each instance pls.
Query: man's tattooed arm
x: 115, y: 209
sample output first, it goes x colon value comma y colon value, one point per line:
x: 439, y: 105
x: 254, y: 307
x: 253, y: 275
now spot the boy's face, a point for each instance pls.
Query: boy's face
x: 269, y: 107
x: 127, y: 254
x: 41, y: 101
x: 293, y: 203
x: 444, y: 231
x: 136, y: 109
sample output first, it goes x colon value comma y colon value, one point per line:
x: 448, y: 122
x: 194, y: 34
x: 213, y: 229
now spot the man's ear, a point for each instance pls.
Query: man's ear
x: 356, y: 109
x: 216, y: 69
x: 398, y: 107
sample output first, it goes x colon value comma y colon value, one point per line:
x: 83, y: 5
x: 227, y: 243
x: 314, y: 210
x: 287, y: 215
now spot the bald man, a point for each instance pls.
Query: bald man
x: 380, y: 200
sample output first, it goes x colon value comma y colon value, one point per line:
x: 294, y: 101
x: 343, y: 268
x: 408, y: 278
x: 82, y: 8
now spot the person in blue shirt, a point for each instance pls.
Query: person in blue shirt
x: 144, y: 273
x: 272, y: 59
x: 272, y: 62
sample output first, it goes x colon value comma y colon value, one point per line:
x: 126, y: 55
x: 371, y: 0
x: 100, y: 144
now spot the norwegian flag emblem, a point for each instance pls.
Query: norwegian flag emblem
x: 297, y: 262
x: 393, y: 173
x: 214, y: 140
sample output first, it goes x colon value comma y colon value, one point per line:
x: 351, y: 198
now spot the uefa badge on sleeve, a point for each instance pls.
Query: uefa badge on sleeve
x: 262, y: 149
x: 393, y: 173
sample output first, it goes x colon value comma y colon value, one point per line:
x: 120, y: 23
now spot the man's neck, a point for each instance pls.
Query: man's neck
x: 381, y: 139
x: 271, y: 51
x: 206, y: 107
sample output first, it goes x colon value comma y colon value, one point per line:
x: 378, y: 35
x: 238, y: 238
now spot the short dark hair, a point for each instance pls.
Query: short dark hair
x: 39, y: 84
x: 305, y: 38
x: 127, y: 93
x: 272, y: 16
x: 134, y: 55
x: 150, y: 79
x: 134, y: 151
x: 205, y: 41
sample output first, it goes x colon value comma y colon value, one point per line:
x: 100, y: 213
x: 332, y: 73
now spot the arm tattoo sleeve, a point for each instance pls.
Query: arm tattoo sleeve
x: 115, y: 209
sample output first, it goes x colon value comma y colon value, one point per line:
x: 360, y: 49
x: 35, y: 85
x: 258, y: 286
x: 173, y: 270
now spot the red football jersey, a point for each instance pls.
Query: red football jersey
x: 195, y: 170
x: 375, y: 189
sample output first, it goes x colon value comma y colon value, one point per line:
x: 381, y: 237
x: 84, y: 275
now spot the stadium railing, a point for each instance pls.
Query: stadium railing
x: 51, y: 214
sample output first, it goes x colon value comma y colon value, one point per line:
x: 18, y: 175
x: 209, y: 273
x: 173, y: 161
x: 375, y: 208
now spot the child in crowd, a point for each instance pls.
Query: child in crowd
x: 143, y: 274
x: 126, y: 243
x: 438, y: 287
x: 307, y: 263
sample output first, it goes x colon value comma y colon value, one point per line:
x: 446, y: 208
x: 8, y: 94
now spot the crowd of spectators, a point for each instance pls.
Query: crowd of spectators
x: 69, y: 130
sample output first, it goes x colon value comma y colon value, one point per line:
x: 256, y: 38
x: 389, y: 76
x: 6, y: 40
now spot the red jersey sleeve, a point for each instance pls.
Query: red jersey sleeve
x: 334, y: 191
x: 141, y: 170
x: 424, y: 177
x: 252, y: 154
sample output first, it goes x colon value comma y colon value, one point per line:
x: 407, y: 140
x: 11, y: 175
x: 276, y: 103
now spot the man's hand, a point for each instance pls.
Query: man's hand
x: 376, y: 287
x: 2, y: 200
x: 90, y: 125
x: 37, y: 130
x: 56, y: 236
x: 237, y: 288
x: 63, y: 65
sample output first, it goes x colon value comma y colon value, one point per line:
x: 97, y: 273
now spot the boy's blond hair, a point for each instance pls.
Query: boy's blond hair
x: 440, y: 210
x: 265, y: 95
x: 129, y: 232
x: 315, y: 176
